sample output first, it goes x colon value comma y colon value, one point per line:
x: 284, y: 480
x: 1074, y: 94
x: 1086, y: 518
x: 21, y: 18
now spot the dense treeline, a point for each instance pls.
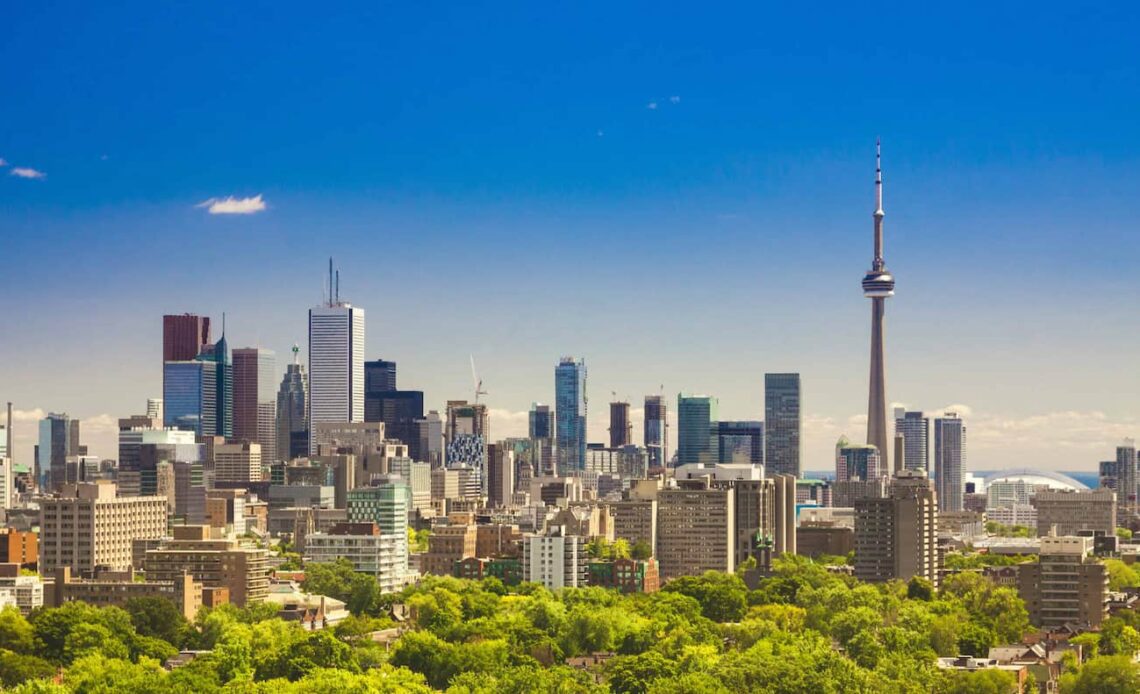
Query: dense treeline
x: 803, y: 630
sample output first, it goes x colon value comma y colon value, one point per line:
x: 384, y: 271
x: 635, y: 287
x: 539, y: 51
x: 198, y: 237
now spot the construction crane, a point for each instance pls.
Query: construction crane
x: 477, y: 381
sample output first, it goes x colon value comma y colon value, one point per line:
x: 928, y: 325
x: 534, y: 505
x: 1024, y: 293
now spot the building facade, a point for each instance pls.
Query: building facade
x: 293, y: 411
x: 255, y: 399
x: 655, y: 429
x: 950, y: 460
x: 915, y: 429
x: 897, y: 537
x: 1071, y: 512
x: 336, y: 364
x: 782, y: 423
x: 696, y: 429
x: 1066, y: 585
x: 696, y: 529
x: 570, y: 415
x: 87, y: 526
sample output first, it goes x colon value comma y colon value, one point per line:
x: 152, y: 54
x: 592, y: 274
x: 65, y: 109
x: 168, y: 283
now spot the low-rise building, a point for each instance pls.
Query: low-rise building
x: 626, y: 575
x: 509, y: 570
x: 370, y: 551
x: 1066, y: 585
x: 1072, y: 512
x: 19, y: 546
x: 115, y: 588
x: 26, y: 592
x: 448, y: 544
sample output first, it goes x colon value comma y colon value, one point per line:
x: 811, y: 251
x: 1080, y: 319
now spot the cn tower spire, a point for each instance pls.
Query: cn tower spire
x: 878, y: 285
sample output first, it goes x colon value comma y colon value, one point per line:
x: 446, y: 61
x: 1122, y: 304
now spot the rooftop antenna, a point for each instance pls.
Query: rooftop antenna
x: 330, y: 280
x: 296, y: 357
x: 338, y: 286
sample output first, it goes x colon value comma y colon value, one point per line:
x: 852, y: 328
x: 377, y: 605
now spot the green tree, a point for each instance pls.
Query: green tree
x: 1124, y: 533
x: 636, y: 674
x: 1103, y: 675
x: 641, y: 550
x: 598, y: 548
x: 158, y: 617
x: 17, y: 667
x: 987, y: 681
x: 620, y: 549
x: 16, y: 633
x: 920, y: 588
x: 723, y: 597
x: 1121, y: 575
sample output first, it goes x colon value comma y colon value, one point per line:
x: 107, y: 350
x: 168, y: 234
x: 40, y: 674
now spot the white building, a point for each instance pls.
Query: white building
x: 384, y: 556
x: 1013, y: 514
x: 7, y: 491
x: 25, y: 592
x: 336, y: 364
x: 555, y: 560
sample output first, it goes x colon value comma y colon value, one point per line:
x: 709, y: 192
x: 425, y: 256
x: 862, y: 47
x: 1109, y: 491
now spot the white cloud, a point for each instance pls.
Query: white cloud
x: 232, y: 205
x: 652, y: 105
x: 674, y: 99
x: 3, y: 161
x: 24, y: 172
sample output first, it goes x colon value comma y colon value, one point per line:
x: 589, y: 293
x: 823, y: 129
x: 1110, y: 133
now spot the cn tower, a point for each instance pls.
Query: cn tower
x: 877, y: 286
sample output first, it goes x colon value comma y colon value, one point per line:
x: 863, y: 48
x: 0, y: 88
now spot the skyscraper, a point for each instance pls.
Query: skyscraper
x: 782, y: 417
x: 878, y: 285
x: 1126, y: 480
x: 184, y: 336
x: 293, y: 411
x: 59, y: 438
x: 857, y: 462
x: 621, y: 430
x: 915, y: 429
x: 655, y: 429
x: 379, y: 376
x: 190, y: 396
x: 541, y: 432
x: 255, y: 399
x: 897, y: 537
x: 740, y: 442
x: 336, y: 360
x: 950, y: 460
x: 399, y: 410
x: 696, y: 422
x: 219, y: 354
x: 570, y: 414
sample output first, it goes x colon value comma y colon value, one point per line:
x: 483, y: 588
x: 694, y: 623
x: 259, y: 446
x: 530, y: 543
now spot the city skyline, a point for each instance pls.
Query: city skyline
x: 699, y: 189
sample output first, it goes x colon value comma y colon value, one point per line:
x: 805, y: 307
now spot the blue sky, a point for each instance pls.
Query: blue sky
x: 680, y: 195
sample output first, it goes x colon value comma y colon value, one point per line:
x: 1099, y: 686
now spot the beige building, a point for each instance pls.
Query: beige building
x: 1066, y: 585
x: 635, y: 521
x: 115, y: 588
x: 695, y: 529
x: 86, y: 526
x: 237, y: 462
x: 897, y: 537
x: 215, y: 562
x: 448, y: 544
x: 1073, y: 511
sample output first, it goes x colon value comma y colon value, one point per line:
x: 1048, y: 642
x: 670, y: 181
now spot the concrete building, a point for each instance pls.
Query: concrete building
x: 370, y: 550
x: 448, y: 544
x: 19, y: 546
x: 621, y: 429
x: 696, y: 529
x: 1071, y: 512
x: 87, y: 526
x: 115, y: 588
x: 58, y: 441
x: 500, y: 475
x: 635, y: 520
x: 214, y: 562
x: 782, y: 422
x: 878, y: 286
x: 625, y: 575
x: 1066, y: 585
x: 897, y: 537
x: 255, y: 399
x: 555, y: 559
x: 237, y: 462
x: 1013, y: 514
x: 1126, y: 482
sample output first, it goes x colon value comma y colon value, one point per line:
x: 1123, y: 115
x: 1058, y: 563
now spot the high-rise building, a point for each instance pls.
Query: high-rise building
x: 367, y: 547
x: 293, y: 411
x: 466, y: 418
x: 219, y: 354
x: 655, y: 430
x: 950, y: 460
x: 500, y: 475
x: 570, y: 402
x: 621, y: 430
x: 857, y: 462
x: 555, y: 559
x: 379, y: 377
x: 696, y: 529
x: 696, y: 429
x: 1073, y: 512
x: 87, y: 526
x: 336, y: 361
x: 878, y: 286
x: 740, y: 442
x: 429, y: 432
x: 59, y: 440
x: 1126, y: 480
x: 237, y: 462
x: 154, y: 408
x: 1066, y: 585
x: 399, y: 410
x: 190, y: 396
x: 184, y: 336
x: 541, y: 431
x: 255, y: 399
x: 897, y: 537
x: 915, y: 429
x: 782, y: 420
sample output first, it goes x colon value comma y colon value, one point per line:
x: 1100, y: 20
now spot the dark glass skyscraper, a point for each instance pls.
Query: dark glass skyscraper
x: 190, y: 396
x: 293, y: 412
x: 219, y: 354
x: 782, y: 417
x: 950, y: 461
x: 399, y: 410
x: 621, y: 431
x: 379, y: 377
x: 915, y: 429
x: 59, y: 438
x: 655, y: 429
x: 570, y: 414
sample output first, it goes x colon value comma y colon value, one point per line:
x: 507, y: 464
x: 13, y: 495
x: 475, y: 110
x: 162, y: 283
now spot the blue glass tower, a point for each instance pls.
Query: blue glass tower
x: 570, y: 414
x: 696, y: 429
